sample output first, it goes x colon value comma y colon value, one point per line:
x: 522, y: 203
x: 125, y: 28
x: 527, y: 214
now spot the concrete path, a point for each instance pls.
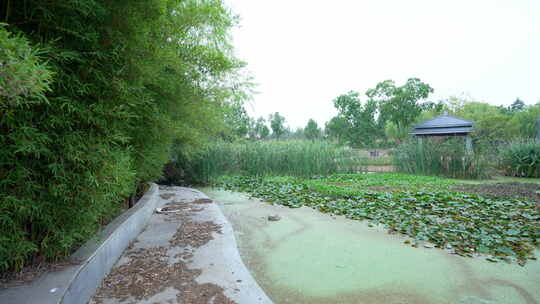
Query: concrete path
x: 187, y: 254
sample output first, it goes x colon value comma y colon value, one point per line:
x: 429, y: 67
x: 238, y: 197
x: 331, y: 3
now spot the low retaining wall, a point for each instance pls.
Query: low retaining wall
x: 76, y: 284
x: 380, y: 169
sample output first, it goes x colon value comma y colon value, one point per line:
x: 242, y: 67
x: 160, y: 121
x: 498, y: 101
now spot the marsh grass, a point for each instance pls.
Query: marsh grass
x: 286, y: 158
x: 521, y: 158
x: 441, y: 157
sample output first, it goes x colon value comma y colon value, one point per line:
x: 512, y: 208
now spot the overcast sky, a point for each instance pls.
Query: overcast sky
x: 304, y: 53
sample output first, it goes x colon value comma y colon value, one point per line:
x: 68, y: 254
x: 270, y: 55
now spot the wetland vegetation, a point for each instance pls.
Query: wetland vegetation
x: 425, y: 209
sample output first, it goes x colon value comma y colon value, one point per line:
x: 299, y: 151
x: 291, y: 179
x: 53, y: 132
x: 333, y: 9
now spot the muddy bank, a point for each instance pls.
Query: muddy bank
x: 525, y: 191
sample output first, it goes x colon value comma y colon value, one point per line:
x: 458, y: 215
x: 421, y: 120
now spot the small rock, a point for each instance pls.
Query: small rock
x: 274, y: 217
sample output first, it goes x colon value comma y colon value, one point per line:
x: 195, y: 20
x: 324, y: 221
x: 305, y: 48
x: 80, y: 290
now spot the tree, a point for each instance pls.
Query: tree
x: 489, y: 123
x: 261, y: 130
x: 337, y: 128
x: 237, y: 120
x: 362, y: 127
x: 392, y: 132
x: 312, y: 131
x: 517, y: 105
x: 277, y: 123
x: 524, y: 123
x: 400, y: 105
x: 298, y: 133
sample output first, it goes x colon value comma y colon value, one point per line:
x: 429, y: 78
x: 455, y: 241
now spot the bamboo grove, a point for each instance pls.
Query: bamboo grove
x: 93, y: 95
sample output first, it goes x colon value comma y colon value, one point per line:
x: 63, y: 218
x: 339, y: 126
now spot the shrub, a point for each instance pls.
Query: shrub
x: 521, y: 158
x: 294, y: 158
x: 441, y: 157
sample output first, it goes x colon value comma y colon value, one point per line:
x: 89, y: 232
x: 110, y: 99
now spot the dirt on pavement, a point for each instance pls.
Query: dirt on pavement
x: 148, y: 273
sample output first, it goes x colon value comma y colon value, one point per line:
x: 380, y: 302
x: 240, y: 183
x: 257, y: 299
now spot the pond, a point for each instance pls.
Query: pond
x: 311, y: 257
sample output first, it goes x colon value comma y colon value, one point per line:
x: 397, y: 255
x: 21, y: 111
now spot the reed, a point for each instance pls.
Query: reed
x: 284, y: 158
x: 441, y: 157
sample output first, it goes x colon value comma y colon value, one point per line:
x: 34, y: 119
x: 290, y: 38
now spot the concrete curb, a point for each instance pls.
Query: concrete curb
x: 76, y: 284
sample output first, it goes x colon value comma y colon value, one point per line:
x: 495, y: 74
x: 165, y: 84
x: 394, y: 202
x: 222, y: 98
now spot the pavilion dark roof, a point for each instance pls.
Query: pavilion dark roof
x: 444, y: 125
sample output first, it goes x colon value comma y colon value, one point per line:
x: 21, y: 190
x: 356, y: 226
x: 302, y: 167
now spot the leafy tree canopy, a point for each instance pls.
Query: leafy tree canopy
x: 312, y: 131
x: 261, y: 130
x: 337, y: 128
x: 400, y: 104
x: 277, y: 123
x: 362, y: 128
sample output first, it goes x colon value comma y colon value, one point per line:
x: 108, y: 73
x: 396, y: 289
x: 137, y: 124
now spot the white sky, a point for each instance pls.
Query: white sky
x: 304, y: 53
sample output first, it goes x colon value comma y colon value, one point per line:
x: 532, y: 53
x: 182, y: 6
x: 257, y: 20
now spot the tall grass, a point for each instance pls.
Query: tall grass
x: 521, y: 158
x: 295, y: 158
x: 441, y: 157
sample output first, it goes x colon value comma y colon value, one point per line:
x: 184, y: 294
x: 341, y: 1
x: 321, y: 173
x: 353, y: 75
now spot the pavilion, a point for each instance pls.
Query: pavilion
x: 445, y: 125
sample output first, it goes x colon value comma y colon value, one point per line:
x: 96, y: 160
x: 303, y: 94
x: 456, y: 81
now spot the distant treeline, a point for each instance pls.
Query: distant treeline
x: 390, y: 112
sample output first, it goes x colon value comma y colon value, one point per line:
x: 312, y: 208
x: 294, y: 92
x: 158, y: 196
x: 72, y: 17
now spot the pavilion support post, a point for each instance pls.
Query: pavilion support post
x: 468, y: 144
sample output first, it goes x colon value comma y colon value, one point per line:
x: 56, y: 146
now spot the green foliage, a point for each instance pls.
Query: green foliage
x: 238, y: 121
x: 337, y: 128
x: 261, y: 130
x: 297, y: 158
x: 358, y: 119
x: 312, y: 131
x: 351, y: 184
x: 517, y: 106
x: 23, y: 77
x: 493, y: 124
x: 400, y: 104
x: 277, y: 123
x: 62, y: 171
x: 467, y: 224
x: 390, y: 112
x: 490, y: 124
x: 392, y: 132
x: 524, y: 123
x: 521, y: 158
x: 130, y: 79
x: 441, y: 157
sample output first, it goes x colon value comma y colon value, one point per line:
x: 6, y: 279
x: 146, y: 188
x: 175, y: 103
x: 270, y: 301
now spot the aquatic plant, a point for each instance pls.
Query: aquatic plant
x: 462, y: 223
